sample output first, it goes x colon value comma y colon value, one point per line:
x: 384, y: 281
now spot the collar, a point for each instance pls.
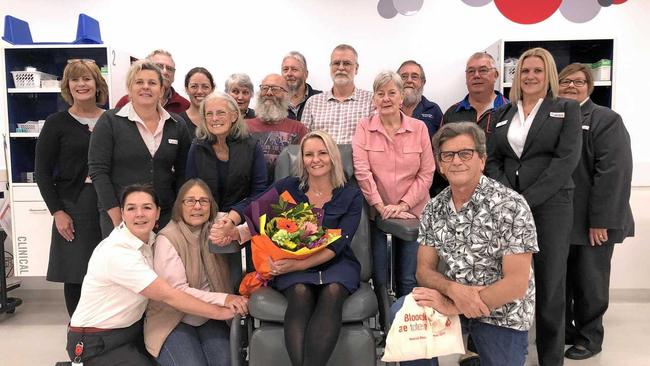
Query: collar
x: 329, y: 95
x: 129, y: 112
x: 131, y: 240
x: 499, y: 100
x: 407, y: 124
x: 584, y: 101
x: 477, y: 197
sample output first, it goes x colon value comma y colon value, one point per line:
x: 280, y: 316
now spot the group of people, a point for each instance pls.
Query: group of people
x: 523, y: 200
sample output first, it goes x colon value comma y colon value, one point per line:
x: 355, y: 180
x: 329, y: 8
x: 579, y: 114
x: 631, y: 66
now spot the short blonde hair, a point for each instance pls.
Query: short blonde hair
x: 140, y: 65
x: 78, y: 68
x: 550, y: 73
x: 337, y: 176
x: 238, y: 130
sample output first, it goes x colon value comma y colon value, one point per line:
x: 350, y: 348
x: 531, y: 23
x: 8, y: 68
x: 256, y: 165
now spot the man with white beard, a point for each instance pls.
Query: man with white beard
x: 294, y: 71
x: 271, y: 127
x: 338, y: 110
x: 415, y: 104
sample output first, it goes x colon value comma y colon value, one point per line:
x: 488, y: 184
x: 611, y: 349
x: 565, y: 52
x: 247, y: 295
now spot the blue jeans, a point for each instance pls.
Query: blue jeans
x: 405, y: 260
x: 208, y: 344
x: 498, y: 346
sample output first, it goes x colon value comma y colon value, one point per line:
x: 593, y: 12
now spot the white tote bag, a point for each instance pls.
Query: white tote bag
x: 422, y: 333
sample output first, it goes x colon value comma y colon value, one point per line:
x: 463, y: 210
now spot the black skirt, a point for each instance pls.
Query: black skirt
x: 69, y: 260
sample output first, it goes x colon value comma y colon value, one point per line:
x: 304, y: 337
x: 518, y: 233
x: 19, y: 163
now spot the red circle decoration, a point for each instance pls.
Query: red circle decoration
x: 527, y: 12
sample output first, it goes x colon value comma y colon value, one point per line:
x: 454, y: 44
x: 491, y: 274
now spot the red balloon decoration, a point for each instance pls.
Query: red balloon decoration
x: 527, y: 12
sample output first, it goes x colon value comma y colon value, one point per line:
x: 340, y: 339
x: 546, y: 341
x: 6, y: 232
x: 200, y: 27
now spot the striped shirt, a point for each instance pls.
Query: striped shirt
x: 338, y: 118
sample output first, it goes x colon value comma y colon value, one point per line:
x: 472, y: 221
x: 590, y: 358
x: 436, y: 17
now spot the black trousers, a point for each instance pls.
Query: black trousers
x: 587, y: 294
x: 553, y: 220
x: 124, y: 347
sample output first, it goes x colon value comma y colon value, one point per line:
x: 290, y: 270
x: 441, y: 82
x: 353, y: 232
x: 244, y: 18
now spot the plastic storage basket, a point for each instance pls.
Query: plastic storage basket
x: 30, y: 79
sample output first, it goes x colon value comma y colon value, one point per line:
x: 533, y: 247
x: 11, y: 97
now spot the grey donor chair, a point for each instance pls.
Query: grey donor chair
x: 356, y: 344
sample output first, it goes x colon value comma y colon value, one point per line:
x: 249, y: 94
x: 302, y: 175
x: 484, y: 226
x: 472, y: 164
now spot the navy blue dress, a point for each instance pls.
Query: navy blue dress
x: 343, y: 212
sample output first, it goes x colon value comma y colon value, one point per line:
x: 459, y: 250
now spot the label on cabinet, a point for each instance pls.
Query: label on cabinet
x: 32, y: 231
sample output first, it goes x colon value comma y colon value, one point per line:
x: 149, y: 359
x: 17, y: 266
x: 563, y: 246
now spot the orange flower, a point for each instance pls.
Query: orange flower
x: 287, y: 225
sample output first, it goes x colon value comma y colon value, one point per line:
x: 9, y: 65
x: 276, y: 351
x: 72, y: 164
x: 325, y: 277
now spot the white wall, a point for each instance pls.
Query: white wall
x: 252, y: 36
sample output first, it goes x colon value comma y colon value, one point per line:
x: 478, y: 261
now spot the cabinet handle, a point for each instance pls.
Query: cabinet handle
x: 113, y: 54
x: 37, y: 210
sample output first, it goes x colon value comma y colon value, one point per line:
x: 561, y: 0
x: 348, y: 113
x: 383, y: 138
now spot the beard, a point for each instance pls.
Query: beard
x: 295, y: 86
x: 412, y: 96
x: 271, y: 109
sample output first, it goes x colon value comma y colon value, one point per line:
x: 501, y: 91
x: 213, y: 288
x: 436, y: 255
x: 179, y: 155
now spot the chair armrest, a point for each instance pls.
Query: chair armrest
x: 405, y: 229
x: 235, y: 341
x: 233, y: 247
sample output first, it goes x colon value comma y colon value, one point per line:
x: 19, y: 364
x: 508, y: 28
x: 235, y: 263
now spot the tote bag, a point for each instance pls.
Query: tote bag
x: 422, y: 333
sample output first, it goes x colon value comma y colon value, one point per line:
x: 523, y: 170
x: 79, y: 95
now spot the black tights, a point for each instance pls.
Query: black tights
x: 72, y: 293
x: 312, y: 322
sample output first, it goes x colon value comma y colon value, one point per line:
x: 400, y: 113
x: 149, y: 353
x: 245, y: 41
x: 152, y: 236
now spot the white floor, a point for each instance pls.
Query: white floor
x: 35, y: 333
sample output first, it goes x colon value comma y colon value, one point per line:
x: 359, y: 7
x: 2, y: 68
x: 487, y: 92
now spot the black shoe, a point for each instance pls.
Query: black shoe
x: 578, y: 353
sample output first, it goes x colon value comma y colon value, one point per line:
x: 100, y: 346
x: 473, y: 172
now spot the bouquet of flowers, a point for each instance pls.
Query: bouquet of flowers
x: 282, y: 229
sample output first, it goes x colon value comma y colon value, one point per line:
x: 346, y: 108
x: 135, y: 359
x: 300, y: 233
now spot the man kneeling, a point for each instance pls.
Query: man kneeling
x: 485, y: 233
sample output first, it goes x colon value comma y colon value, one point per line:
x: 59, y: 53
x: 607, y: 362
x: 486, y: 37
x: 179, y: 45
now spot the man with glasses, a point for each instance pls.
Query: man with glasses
x: 294, y: 71
x: 415, y: 104
x: 337, y: 111
x: 480, y: 76
x: 171, y: 101
x: 486, y: 234
x: 271, y: 127
x: 478, y: 105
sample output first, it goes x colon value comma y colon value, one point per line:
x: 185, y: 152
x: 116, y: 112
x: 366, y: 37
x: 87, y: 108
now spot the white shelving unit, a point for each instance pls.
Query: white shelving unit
x: 31, y: 220
x: 564, y: 52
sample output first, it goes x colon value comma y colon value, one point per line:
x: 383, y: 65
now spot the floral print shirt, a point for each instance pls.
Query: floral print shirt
x: 495, y: 222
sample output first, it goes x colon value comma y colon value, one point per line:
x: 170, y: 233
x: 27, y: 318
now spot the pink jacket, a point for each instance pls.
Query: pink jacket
x: 391, y: 171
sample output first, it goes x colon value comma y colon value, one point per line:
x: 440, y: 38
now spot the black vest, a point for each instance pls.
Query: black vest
x: 240, y: 163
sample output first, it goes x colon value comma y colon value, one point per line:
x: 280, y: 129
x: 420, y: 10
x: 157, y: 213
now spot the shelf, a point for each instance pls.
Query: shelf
x: 23, y: 134
x: 596, y: 83
x: 32, y: 90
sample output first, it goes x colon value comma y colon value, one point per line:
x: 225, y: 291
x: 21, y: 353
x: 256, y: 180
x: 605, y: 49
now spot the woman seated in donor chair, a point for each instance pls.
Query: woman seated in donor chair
x: 315, y: 287
x: 106, y: 327
x: 182, y: 258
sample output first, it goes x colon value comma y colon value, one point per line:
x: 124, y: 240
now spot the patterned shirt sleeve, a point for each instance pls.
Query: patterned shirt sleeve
x: 517, y: 233
x: 426, y: 235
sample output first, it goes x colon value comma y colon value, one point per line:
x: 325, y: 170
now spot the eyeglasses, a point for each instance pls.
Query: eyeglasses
x: 345, y: 64
x: 191, y: 202
x: 481, y: 71
x: 75, y: 60
x: 164, y: 67
x: 464, y: 155
x: 578, y: 82
x: 273, y: 88
x: 219, y: 114
x: 413, y: 76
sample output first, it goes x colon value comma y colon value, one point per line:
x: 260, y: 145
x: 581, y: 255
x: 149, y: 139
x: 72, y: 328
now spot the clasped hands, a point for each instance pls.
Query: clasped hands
x: 462, y: 300
x: 223, y: 232
x: 399, y: 211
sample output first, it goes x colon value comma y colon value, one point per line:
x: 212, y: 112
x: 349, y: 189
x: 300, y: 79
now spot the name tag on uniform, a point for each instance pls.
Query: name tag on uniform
x: 427, y: 115
x: 173, y: 141
x: 557, y: 114
x: 501, y: 123
x: 586, y: 128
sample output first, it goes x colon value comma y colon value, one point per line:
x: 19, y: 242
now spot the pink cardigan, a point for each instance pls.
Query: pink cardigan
x: 391, y: 171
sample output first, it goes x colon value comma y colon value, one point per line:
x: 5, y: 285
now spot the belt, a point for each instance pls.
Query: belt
x: 87, y: 329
